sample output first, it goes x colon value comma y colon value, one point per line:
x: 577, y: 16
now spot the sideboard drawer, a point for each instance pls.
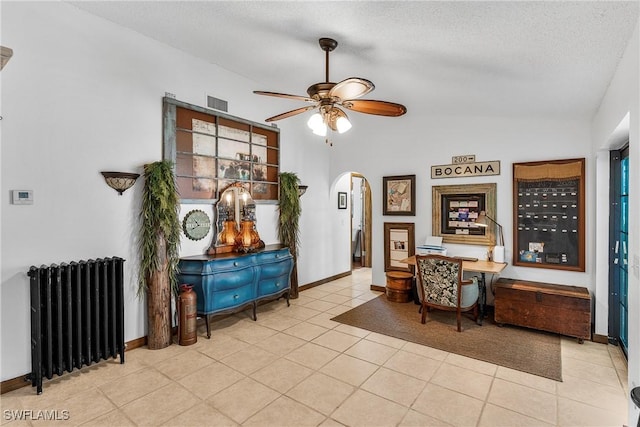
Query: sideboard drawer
x: 229, y: 264
x: 232, y: 297
x: 273, y: 285
x: 231, y: 279
x: 273, y: 255
x: 276, y: 269
x: 202, y: 267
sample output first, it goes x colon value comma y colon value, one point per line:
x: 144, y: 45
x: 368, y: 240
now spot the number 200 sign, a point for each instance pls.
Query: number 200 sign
x: 469, y: 158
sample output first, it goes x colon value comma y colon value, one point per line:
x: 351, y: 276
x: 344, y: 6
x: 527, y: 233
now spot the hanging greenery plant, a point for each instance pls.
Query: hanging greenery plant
x: 288, y: 230
x: 159, y: 249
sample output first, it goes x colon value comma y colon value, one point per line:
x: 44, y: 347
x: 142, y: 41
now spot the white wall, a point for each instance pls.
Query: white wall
x: 82, y: 95
x: 411, y: 144
x: 622, y: 101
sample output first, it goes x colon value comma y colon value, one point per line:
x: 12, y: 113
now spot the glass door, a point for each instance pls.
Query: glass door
x: 618, y: 238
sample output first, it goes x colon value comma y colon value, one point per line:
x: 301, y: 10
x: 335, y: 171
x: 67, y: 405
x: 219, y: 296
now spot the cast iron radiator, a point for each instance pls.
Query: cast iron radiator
x: 77, y: 316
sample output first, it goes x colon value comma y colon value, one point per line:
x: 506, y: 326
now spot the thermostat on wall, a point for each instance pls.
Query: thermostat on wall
x: 22, y: 197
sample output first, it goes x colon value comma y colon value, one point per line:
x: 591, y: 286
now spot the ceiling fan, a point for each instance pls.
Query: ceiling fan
x: 327, y: 97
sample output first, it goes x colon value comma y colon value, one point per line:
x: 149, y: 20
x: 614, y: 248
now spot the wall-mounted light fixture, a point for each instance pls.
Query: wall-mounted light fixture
x: 5, y: 55
x: 302, y: 189
x: 120, y: 181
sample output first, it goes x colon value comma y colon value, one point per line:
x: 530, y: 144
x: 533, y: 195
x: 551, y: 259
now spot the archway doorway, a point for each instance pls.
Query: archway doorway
x: 361, y: 213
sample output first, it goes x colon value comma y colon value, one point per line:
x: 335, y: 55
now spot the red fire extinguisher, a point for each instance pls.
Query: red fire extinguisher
x: 187, y: 312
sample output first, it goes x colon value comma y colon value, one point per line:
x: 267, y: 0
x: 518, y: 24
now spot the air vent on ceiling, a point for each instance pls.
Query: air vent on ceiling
x: 217, y: 104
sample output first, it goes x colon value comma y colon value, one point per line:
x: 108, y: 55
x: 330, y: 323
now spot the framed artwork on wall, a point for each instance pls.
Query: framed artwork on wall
x: 399, y: 195
x: 399, y: 243
x: 455, y: 209
x: 549, y: 214
x: 342, y: 200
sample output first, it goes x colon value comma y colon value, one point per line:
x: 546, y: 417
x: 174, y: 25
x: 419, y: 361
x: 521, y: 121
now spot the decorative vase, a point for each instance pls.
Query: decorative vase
x: 228, y: 234
x: 247, y: 237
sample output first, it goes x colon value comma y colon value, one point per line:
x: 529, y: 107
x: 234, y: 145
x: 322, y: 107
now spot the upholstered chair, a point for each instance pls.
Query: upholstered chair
x: 440, y: 286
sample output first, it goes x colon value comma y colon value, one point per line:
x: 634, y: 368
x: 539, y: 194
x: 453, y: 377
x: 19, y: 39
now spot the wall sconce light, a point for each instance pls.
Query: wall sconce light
x: 5, y: 55
x: 302, y: 189
x: 120, y: 181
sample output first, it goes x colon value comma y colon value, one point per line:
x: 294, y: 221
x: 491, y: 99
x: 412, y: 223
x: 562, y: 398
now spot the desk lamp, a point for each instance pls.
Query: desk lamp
x: 483, y: 221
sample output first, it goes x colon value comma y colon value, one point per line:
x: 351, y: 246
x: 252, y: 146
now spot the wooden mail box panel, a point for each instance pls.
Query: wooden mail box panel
x: 561, y: 309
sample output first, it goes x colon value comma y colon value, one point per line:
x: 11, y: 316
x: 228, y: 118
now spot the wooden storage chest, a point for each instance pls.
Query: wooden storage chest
x: 561, y: 309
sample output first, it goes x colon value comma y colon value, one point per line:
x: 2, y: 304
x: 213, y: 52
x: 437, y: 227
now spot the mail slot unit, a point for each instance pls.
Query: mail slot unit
x: 562, y: 309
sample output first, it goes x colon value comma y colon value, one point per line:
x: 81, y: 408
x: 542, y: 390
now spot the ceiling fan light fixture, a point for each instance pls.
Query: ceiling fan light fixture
x: 321, y: 130
x: 343, y: 124
x: 317, y: 125
x: 338, y: 120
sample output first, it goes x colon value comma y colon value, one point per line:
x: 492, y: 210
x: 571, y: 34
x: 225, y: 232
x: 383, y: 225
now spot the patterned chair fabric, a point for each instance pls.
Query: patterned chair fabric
x: 440, y: 285
x: 439, y: 280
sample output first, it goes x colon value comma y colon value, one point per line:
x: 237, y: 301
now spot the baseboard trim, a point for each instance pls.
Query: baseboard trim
x: 21, y: 381
x: 133, y: 344
x: 14, y: 384
x: 378, y: 288
x: 601, y: 339
x: 323, y: 281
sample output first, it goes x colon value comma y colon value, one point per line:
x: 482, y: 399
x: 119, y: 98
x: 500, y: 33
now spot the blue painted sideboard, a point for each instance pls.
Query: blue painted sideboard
x: 230, y: 282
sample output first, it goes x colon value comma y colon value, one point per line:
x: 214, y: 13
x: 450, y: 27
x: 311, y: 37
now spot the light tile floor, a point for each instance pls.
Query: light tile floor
x: 296, y: 367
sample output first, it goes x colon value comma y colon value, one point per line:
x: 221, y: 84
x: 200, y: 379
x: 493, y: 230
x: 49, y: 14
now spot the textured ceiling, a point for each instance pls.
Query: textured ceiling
x: 552, y: 59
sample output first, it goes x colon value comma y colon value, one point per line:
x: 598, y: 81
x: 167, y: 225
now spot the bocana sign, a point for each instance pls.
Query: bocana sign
x: 464, y: 166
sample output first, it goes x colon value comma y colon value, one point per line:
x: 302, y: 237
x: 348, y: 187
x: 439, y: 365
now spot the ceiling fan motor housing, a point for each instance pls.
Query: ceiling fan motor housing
x: 320, y: 91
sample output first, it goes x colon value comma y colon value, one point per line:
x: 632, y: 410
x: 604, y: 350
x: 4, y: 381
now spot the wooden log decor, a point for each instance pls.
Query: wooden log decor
x: 399, y: 286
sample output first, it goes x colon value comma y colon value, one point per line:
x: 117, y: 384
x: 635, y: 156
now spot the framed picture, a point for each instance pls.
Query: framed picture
x: 342, y: 200
x: 455, y: 209
x: 549, y: 214
x: 398, y: 244
x: 399, y: 195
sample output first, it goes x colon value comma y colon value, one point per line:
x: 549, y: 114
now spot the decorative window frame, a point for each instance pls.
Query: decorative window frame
x: 223, y: 149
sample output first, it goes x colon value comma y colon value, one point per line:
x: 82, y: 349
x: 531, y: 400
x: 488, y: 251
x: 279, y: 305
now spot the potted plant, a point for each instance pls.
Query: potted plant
x: 159, y: 250
x: 288, y: 232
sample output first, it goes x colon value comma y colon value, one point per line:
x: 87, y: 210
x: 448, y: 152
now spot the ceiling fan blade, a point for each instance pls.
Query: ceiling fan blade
x: 379, y: 108
x: 290, y: 113
x: 351, y: 88
x: 284, y: 95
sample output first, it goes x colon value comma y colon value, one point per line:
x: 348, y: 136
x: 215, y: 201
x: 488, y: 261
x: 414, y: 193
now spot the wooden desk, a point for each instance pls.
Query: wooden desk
x: 482, y: 267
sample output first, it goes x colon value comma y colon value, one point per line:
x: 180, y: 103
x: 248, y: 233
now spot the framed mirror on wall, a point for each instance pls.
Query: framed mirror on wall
x: 457, y: 207
x: 399, y: 243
